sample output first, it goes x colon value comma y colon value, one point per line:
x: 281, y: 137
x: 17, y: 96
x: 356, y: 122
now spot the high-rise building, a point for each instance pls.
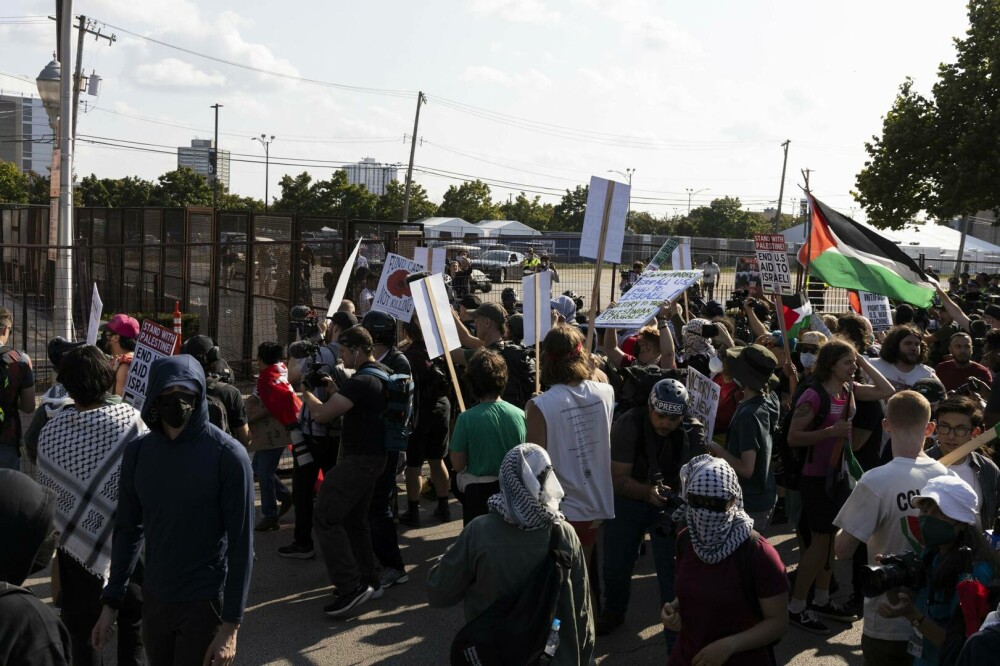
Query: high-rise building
x: 198, y: 157
x: 373, y: 175
x: 27, y: 137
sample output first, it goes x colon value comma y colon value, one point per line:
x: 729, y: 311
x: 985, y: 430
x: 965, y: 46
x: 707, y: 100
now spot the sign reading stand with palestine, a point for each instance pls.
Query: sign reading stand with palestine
x: 154, y: 342
x: 640, y: 303
x: 876, y: 309
x: 393, y: 293
x: 772, y: 259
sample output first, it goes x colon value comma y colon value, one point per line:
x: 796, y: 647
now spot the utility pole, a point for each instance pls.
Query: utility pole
x: 781, y: 190
x: 213, y: 159
x: 266, y: 142
x: 63, y: 318
x: 84, y: 29
x: 421, y: 99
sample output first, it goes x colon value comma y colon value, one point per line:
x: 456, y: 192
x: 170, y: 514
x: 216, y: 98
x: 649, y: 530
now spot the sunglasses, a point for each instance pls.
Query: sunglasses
x: 716, y: 504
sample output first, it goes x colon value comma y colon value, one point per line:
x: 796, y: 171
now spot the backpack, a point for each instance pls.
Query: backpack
x: 634, y: 383
x: 217, y: 414
x: 513, y: 630
x: 399, y: 414
x: 794, y: 457
x: 520, y: 373
x: 4, y: 385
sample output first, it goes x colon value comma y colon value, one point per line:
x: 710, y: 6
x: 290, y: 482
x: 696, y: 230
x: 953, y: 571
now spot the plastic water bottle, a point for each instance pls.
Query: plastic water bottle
x: 552, y: 642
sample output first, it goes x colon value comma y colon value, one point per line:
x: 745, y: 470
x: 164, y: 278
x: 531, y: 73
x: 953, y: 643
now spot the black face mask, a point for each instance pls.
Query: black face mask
x: 175, y: 408
x: 104, y: 344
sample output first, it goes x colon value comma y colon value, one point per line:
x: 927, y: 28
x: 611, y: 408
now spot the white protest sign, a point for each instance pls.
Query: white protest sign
x: 393, y: 294
x: 666, y: 250
x: 704, y: 400
x: 640, y: 303
x: 96, y: 308
x: 772, y: 259
x: 681, y: 257
x: 544, y: 280
x: 345, y: 276
x: 430, y: 299
x: 433, y: 258
x: 154, y: 342
x: 875, y: 308
x: 593, y: 220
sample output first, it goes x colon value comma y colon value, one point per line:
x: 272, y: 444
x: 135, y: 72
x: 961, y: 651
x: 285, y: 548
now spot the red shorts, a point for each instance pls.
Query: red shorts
x: 586, y: 531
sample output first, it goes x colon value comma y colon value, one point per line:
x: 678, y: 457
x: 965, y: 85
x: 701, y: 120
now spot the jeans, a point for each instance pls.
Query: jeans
x: 385, y: 540
x: 178, y: 634
x: 880, y: 652
x: 475, y: 498
x: 324, y: 452
x: 622, y: 536
x: 265, y: 467
x: 10, y: 456
x: 341, y: 520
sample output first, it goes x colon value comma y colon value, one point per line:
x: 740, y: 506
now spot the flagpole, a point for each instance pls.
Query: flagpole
x: 800, y: 274
x: 809, y: 238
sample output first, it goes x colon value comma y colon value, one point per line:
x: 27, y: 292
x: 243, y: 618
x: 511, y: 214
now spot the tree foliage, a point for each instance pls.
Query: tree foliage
x: 531, y: 212
x: 568, y: 214
x: 181, y: 187
x: 723, y: 218
x: 471, y: 201
x: 390, y: 204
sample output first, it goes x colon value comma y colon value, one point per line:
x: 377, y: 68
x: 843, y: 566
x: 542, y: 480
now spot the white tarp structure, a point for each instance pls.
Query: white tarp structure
x: 449, y: 227
x: 500, y: 228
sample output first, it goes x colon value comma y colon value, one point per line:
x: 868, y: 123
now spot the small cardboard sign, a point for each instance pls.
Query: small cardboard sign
x: 772, y: 258
x: 266, y: 432
x: 345, y: 276
x: 593, y: 220
x: 393, y: 293
x: 434, y: 258
x: 430, y: 299
x: 96, y: 308
x: 154, y: 342
x: 544, y: 305
x: 876, y: 309
x: 704, y: 400
x: 666, y: 250
x: 640, y: 303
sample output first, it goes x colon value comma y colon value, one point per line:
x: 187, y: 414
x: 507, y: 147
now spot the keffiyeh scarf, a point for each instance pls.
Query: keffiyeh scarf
x: 530, y: 493
x: 715, y: 535
x: 694, y: 343
x: 79, y: 459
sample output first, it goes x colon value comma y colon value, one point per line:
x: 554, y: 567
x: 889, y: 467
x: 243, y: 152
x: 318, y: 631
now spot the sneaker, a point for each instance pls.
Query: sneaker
x: 607, y: 622
x: 856, y: 603
x: 266, y: 525
x: 377, y: 589
x: 392, y: 577
x: 345, y: 602
x: 411, y: 518
x: 286, y: 506
x: 834, y: 611
x: 297, y: 552
x: 443, y: 513
x: 807, y: 621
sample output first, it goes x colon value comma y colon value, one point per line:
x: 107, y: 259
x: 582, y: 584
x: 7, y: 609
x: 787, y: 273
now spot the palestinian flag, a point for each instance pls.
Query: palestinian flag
x: 796, y: 310
x: 843, y: 253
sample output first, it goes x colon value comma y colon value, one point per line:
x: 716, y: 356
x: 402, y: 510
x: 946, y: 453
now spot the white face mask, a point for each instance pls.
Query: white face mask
x: 715, y: 365
x: 808, y: 361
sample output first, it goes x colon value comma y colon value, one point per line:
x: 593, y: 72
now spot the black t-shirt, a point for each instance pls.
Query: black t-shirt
x: 32, y: 634
x: 363, y: 433
x: 232, y: 400
x: 868, y: 416
x: 634, y: 440
x: 993, y: 404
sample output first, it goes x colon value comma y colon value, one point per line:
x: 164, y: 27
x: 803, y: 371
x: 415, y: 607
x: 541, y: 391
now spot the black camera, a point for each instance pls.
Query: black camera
x: 303, y: 349
x: 671, y: 502
x: 315, y: 377
x: 305, y: 320
x: 737, y: 298
x: 904, y: 569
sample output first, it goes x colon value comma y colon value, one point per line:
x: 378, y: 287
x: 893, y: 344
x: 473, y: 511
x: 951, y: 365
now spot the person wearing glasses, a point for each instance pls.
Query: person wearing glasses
x: 958, y: 421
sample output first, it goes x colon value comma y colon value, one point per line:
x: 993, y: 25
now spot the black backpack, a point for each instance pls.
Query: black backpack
x: 217, y: 414
x: 634, y: 383
x: 794, y: 457
x: 520, y: 373
x: 513, y: 630
x: 4, y: 385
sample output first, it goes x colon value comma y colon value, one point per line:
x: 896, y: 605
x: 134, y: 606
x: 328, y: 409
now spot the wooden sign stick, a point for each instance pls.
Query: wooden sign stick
x: 970, y: 446
x: 538, y: 333
x: 447, y: 352
x: 595, y: 293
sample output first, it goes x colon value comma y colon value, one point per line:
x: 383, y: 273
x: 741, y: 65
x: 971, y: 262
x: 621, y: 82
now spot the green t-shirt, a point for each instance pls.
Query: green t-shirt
x: 486, y: 433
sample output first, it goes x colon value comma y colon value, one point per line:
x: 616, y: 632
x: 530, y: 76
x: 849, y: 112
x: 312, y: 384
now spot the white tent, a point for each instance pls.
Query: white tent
x: 449, y: 227
x: 499, y: 228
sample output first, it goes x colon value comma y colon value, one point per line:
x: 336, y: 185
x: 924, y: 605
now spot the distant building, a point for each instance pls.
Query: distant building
x: 27, y: 137
x: 373, y: 175
x: 197, y: 157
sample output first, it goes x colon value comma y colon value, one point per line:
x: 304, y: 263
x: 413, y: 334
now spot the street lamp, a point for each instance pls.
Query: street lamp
x: 692, y: 193
x: 48, y: 90
x: 266, y: 142
x: 627, y: 174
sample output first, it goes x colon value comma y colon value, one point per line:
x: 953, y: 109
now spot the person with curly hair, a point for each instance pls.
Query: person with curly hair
x: 901, y: 360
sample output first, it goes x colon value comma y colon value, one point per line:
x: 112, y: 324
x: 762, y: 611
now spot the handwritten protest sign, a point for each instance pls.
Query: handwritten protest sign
x: 772, y: 259
x: 96, y: 308
x: 704, y: 400
x: 154, y: 342
x: 640, y: 303
x: 666, y: 250
x: 875, y: 308
x: 345, y: 276
x: 393, y: 294
x: 680, y: 259
x: 594, y: 220
x: 543, y: 304
x: 433, y: 258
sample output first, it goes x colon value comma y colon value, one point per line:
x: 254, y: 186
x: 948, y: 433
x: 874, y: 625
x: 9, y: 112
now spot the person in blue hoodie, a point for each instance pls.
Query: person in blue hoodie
x: 186, y: 488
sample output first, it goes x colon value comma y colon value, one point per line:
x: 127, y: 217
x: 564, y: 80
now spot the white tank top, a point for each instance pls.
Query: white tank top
x: 578, y: 430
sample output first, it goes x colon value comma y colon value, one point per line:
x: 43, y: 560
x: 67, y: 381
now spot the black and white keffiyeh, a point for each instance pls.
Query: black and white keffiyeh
x: 694, y: 343
x: 715, y: 535
x: 79, y: 458
x: 530, y: 493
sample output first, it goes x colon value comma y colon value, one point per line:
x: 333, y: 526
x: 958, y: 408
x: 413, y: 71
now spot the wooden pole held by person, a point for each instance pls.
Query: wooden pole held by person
x: 595, y: 292
x: 538, y: 333
x: 970, y: 446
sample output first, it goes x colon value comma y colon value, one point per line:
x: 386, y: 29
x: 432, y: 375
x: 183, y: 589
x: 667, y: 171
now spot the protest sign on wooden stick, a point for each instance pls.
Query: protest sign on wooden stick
x: 430, y: 301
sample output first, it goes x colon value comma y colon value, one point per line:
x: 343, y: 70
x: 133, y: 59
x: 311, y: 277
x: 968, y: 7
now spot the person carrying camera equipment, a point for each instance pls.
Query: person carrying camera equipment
x: 278, y: 397
x: 697, y: 337
x: 314, y: 361
x: 719, y: 552
x: 630, y: 277
x: 204, y: 349
x: 879, y: 512
x: 218, y: 376
x: 648, y: 446
x: 956, y: 566
x: 957, y: 371
x: 547, y: 265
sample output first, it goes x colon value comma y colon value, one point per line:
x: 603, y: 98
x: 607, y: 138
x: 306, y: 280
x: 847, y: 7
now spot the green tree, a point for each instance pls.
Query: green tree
x: 181, y: 187
x: 641, y: 222
x: 39, y: 188
x: 528, y: 211
x: 723, y: 218
x: 13, y: 184
x: 568, y: 214
x: 470, y: 201
x: 94, y: 191
x: 340, y: 198
x: 298, y: 195
x: 390, y: 204
x: 133, y: 192
x: 230, y: 201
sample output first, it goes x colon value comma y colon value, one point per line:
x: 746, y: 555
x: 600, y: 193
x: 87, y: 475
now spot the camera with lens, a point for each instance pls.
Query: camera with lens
x: 305, y: 320
x: 904, y: 569
x: 315, y: 377
x: 671, y: 502
x: 737, y: 299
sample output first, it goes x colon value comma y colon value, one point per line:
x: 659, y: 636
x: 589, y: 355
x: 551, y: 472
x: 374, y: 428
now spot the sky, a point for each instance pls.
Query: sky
x: 527, y: 95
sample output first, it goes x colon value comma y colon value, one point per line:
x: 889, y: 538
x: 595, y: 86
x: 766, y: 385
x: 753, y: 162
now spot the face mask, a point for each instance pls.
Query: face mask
x: 175, y: 408
x: 715, y: 365
x: 104, y: 345
x: 808, y: 360
x: 936, y: 532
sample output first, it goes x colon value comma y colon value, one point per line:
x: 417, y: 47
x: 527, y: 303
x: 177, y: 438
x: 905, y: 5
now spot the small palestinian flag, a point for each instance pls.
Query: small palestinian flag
x: 797, y: 311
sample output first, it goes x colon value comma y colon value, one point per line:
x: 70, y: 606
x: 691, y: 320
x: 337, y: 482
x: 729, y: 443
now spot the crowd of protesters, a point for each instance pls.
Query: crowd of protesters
x: 838, y: 435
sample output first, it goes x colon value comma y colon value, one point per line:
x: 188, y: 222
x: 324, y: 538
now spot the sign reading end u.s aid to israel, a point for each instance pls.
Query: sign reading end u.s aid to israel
x: 154, y: 341
x: 393, y: 294
x: 640, y: 303
x: 772, y: 260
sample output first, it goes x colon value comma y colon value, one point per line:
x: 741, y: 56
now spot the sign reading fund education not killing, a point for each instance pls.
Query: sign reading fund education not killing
x: 640, y: 303
x: 393, y: 294
x: 772, y: 259
x: 154, y: 341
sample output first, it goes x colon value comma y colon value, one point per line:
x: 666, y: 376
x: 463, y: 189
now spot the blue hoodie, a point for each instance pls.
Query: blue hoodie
x: 192, y: 499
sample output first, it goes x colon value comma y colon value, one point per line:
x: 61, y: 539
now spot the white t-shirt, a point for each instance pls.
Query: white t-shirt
x: 902, y: 380
x: 709, y: 271
x: 878, y: 512
x: 578, y: 433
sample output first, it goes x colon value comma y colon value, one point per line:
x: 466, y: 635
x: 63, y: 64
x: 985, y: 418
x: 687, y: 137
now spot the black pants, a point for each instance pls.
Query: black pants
x: 179, y: 634
x: 385, y: 540
x: 324, y: 451
x: 474, y: 500
x: 80, y: 598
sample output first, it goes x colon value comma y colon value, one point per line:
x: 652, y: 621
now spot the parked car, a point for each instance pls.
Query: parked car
x: 325, y: 245
x: 478, y: 281
x: 499, y: 264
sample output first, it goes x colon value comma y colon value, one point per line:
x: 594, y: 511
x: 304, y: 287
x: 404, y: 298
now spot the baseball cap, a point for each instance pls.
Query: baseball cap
x: 565, y: 306
x: 123, y: 325
x: 954, y: 497
x: 343, y: 320
x: 470, y: 302
x: 491, y: 311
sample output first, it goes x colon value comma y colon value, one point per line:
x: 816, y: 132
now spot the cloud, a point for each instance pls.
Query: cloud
x: 484, y: 74
x: 518, y: 11
x: 174, y: 73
